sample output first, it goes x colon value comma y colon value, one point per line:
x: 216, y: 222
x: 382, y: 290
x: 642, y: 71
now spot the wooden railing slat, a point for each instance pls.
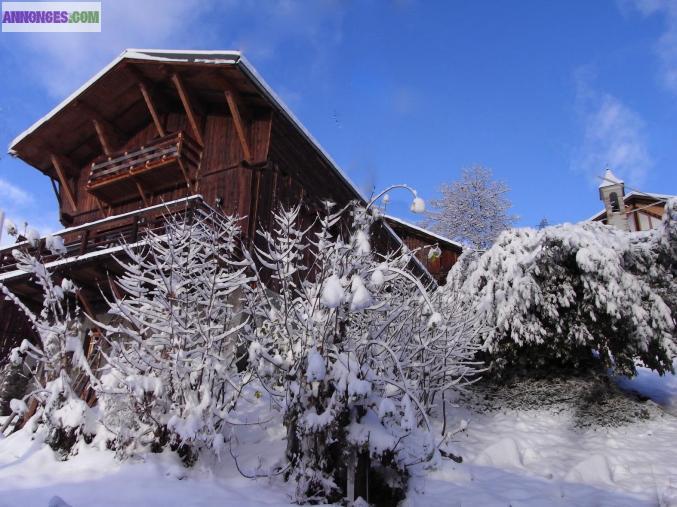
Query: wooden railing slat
x: 109, y: 233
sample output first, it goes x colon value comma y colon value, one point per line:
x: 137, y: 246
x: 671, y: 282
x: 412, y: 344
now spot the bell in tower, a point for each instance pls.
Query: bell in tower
x: 612, y: 191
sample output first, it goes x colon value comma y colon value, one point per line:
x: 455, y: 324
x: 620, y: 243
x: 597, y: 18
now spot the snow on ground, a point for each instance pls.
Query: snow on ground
x: 536, y: 458
x: 30, y: 475
x: 518, y: 458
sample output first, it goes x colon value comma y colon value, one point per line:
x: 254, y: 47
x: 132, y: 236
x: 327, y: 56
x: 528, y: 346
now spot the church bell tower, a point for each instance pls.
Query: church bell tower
x: 611, y: 192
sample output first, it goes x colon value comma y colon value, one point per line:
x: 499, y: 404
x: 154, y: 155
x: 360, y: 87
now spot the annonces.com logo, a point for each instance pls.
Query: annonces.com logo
x: 51, y: 16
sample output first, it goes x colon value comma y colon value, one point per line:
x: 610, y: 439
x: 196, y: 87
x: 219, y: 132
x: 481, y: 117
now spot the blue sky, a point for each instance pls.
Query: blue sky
x: 544, y: 93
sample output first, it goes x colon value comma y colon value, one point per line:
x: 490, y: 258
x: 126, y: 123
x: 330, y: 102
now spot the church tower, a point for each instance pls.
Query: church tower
x: 611, y: 192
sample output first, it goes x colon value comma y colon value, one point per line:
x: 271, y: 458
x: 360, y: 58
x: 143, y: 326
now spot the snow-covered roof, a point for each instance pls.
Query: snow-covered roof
x: 216, y: 57
x: 423, y: 231
x: 635, y: 194
x: 609, y: 179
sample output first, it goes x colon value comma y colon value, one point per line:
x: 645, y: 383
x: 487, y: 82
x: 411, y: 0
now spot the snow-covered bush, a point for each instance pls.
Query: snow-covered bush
x: 170, y: 343
x: 572, y: 293
x: 56, y: 362
x: 354, y: 350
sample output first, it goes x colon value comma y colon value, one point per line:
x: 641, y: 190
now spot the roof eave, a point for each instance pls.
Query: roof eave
x: 256, y: 78
x: 232, y: 58
x: 423, y: 231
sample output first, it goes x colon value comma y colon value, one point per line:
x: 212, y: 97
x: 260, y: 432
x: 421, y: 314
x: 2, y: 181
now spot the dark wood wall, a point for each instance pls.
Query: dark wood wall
x: 14, y: 328
x: 438, y: 267
x: 222, y: 173
x: 284, y: 170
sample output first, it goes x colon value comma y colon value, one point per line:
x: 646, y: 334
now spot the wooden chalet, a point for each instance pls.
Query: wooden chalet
x: 160, y: 130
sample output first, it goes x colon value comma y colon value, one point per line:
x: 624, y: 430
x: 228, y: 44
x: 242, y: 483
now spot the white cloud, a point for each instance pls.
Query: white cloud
x: 12, y: 196
x: 64, y: 60
x: 20, y: 207
x: 666, y: 45
x: 613, y: 135
x: 262, y: 29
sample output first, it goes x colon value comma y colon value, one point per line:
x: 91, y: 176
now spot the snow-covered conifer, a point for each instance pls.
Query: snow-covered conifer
x: 571, y: 293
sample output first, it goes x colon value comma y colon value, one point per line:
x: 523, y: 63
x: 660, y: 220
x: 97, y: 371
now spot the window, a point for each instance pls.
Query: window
x: 613, y: 199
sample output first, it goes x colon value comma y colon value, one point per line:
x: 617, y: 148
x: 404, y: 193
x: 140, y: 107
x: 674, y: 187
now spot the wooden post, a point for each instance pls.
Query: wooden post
x: 189, y: 108
x: 83, y: 241
x: 95, y: 331
x: 239, y: 125
x: 101, y: 208
x: 253, y: 209
x: 63, y: 181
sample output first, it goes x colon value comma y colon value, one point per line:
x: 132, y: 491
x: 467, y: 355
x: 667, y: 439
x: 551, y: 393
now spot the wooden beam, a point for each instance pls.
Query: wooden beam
x: 185, y: 173
x: 147, y: 89
x: 189, y: 107
x: 151, y: 108
x: 141, y: 192
x: 101, y: 134
x: 85, y: 303
x: 118, y: 135
x: 101, y: 208
x: 63, y: 181
x: 265, y: 152
x: 239, y: 125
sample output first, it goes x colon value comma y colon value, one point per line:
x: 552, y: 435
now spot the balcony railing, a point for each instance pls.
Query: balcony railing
x: 106, y: 233
x: 165, y: 163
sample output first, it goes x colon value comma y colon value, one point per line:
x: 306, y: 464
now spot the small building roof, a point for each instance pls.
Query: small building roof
x: 633, y: 196
x: 609, y: 179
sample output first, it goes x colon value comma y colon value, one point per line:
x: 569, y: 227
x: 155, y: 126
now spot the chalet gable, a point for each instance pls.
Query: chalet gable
x: 211, y: 103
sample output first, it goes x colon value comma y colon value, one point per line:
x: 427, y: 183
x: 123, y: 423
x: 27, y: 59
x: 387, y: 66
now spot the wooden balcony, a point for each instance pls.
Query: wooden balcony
x: 167, y: 162
x: 102, y: 238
